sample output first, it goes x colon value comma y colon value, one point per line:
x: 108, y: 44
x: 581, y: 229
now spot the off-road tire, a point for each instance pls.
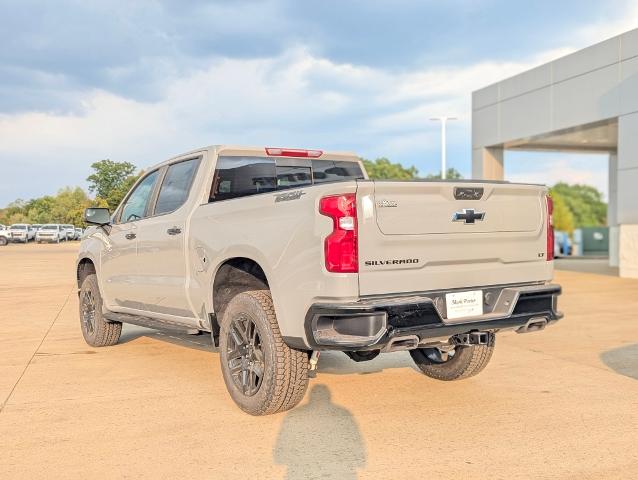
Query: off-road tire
x: 466, y: 362
x: 3, y: 241
x: 104, y: 333
x: 285, y: 370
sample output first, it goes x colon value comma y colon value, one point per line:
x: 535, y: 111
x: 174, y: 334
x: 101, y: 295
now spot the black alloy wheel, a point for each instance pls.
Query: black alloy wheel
x: 245, y: 356
x: 88, y: 311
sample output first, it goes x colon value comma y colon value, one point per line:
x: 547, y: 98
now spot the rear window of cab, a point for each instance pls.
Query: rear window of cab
x: 237, y: 177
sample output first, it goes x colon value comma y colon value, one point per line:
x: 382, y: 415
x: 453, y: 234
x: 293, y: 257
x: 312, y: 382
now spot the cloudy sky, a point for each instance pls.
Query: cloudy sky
x: 143, y: 80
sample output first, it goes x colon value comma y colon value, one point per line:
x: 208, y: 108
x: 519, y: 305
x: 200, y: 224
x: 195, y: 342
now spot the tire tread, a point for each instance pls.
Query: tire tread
x: 290, y: 380
x: 470, y: 361
x: 107, y: 332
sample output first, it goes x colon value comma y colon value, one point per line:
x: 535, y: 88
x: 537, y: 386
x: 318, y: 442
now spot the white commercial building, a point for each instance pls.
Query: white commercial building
x: 583, y: 102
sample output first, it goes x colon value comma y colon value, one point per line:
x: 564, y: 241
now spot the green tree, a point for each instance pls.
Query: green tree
x: 584, y: 202
x: 450, y: 174
x: 383, y: 169
x: 563, y: 218
x: 69, y: 206
x: 14, y: 213
x: 111, y: 180
x: 39, y: 210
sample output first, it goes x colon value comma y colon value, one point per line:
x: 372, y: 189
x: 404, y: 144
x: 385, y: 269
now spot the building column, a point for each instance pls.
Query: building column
x: 627, y: 195
x: 487, y: 163
x: 612, y: 208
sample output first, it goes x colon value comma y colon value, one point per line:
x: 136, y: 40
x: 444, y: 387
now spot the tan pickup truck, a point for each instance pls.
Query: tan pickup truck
x: 282, y: 253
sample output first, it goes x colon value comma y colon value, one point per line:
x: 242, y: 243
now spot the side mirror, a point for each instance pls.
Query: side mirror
x: 97, y: 216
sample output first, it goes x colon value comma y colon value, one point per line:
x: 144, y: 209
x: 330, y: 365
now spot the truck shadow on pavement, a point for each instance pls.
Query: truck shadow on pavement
x: 197, y: 342
x: 330, y: 363
x: 320, y: 439
x: 623, y: 360
x: 337, y: 363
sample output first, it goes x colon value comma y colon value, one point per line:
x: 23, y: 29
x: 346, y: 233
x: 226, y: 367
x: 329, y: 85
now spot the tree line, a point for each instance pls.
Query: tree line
x: 574, y: 205
x: 109, y: 182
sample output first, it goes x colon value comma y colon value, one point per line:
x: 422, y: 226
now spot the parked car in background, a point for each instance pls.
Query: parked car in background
x: 4, y: 237
x: 69, y: 230
x: 78, y: 233
x: 21, y: 232
x: 36, y: 227
x: 51, y: 233
x: 562, y: 244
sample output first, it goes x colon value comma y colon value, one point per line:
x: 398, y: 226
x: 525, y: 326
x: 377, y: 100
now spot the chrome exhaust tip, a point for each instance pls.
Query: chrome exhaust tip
x: 534, y: 324
x: 408, y: 342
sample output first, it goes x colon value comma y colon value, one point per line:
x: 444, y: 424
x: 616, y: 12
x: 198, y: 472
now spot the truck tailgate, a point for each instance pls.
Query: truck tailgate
x: 420, y: 236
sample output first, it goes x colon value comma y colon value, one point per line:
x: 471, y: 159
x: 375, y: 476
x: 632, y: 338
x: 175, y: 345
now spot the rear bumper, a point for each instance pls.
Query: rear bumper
x: 378, y: 323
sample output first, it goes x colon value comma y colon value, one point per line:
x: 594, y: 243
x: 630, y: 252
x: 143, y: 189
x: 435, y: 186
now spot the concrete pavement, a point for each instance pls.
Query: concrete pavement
x: 562, y: 403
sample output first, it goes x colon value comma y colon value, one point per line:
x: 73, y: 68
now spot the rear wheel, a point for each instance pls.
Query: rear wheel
x: 454, y: 364
x: 3, y: 241
x: 97, y: 331
x: 262, y: 374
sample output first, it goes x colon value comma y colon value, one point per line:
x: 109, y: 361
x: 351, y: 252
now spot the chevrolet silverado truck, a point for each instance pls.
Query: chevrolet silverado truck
x: 283, y: 253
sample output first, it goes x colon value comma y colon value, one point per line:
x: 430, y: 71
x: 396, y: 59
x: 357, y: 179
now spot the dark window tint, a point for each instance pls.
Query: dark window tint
x: 135, y: 206
x: 324, y: 171
x: 241, y: 176
x: 293, y: 177
x: 176, y: 185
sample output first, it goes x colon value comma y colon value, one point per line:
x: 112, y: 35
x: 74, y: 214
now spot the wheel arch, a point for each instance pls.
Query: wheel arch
x: 233, y: 276
x: 85, y: 267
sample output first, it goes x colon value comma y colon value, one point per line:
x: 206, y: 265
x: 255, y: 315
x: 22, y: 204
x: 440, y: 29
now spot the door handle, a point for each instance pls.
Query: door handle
x: 174, y: 231
x: 130, y: 236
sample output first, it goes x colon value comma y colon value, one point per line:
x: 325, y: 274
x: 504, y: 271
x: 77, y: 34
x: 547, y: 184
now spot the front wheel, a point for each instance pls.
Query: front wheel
x: 97, y: 331
x: 3, y: 241
x: 262, y: 374
x: 455, y: 363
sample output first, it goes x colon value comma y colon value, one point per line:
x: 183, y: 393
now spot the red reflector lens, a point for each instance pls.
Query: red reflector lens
x: 340, y: 247
x: 550, y: 228
x: 293, y: 152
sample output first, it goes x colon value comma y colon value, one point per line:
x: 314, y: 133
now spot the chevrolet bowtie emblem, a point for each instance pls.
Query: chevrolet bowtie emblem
x: 468, y: 215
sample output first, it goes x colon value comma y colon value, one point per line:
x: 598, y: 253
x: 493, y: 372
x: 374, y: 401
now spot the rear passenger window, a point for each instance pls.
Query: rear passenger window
x: 293, y: 177
x: 324, y: 171
x: 242, y: 176
x: 176, y: 186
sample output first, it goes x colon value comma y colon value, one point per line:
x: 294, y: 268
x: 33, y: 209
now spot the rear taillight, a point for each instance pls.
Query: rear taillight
x: 340, y: 247
x: 550, y: 228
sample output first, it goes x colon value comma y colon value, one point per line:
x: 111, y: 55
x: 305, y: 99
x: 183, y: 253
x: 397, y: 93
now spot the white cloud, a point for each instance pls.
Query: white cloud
x: 296, y: 99
x: 604, y: 29
x: 296, y: 95
x: 551, y: 168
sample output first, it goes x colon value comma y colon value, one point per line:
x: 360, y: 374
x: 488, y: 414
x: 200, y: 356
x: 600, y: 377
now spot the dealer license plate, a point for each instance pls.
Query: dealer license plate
x: 464, y: 304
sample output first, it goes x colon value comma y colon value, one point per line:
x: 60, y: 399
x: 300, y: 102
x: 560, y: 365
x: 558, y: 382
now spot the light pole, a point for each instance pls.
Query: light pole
x: 443, y: 119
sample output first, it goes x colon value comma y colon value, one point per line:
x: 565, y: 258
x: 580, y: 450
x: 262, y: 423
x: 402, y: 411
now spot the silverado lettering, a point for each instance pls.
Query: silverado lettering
x: 371, y: 263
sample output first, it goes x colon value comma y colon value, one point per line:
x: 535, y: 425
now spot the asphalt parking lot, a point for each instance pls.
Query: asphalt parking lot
x: 562, y: 403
